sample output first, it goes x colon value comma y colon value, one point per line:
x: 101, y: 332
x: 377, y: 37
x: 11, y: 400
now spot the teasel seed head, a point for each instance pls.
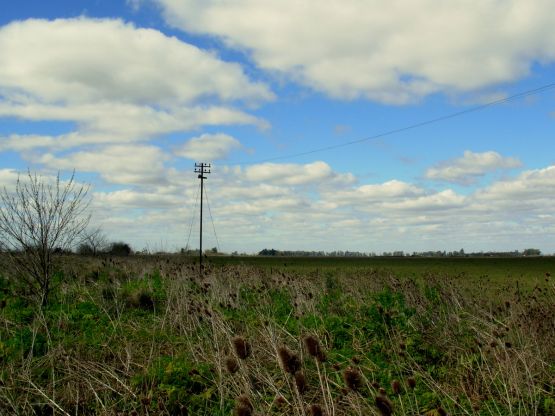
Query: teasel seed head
x: 231, y: 365
x: 243, y: 406
x: 242, y: 347
x: 300, y: 382
x: 353, y: 378
x: 315, y: 410
x: 280, y: 402
x: 384, y: 405
x: 290, y: 362
x: 312, y: 345
x: 396, y: 387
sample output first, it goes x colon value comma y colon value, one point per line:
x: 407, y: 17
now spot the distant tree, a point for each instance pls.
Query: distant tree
x: 40, y: 220
x: 531, y: 252
x: 120, y: 248
x: 85, y: 249
x: 95, y: 240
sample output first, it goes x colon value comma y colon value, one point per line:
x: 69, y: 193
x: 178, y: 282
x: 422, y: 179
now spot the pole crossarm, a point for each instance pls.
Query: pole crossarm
x: 202, y: 168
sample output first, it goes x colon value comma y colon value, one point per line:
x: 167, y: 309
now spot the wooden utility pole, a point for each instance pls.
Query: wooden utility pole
x: 201, y: 169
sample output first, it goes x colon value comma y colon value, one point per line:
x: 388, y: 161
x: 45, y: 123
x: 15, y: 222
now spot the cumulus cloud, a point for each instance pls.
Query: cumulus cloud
x: 389, y: 190
x: 84, y: 60
x: 116, y: 82
x: 115, y: 122
x: 129, y: 198
x: 118, y: 164
x: 371, y: 217
x: 472, y: 166
x: 208, y: 147
x: 527, y: 188
x: 296, y: 174
x: 393, y: 52
x: 119, y: 87
x: 8, y: 178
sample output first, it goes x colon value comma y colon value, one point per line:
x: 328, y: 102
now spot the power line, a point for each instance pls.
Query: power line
x: 522, y: 94
x: 212, y: 219
x: 193, y: 217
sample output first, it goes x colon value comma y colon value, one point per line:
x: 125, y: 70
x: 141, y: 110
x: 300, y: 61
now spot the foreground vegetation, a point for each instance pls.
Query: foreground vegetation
x: 149, y: 335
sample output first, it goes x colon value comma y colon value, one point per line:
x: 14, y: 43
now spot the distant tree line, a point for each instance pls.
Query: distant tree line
x: 117, y: 248
x: 460, y: 253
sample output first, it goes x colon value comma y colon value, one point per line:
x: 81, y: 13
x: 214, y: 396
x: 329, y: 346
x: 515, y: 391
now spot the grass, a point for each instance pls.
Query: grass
x: 266, y: 336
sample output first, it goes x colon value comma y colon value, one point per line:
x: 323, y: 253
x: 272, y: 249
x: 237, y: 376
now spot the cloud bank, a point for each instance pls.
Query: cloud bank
x: 390, y: 51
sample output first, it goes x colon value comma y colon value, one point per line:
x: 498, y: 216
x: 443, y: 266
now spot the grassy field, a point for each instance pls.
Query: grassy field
x: 502, y: 270
x: 283, y: 336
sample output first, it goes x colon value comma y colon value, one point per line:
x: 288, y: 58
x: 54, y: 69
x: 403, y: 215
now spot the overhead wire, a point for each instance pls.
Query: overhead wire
x: 522, y: 94
x: 212, y: 219
x: 193, y: 212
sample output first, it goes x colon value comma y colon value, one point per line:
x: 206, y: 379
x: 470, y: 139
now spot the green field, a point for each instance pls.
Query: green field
x: 150, y: 335
x: 498, y: 269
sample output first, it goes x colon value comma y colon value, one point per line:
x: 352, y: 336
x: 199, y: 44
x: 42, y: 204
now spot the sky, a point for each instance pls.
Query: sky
x: 301, y: 108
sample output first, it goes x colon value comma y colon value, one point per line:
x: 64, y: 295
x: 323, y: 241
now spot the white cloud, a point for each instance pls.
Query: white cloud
x: 472, y: 166
x: 129, y: 198
x: 8, y: 178
x: 260, y: 191
x: 394, y: 51
x: 116, y: 82
x: 116, y: 122
x: 529, y: 187
x: 84, y: 60
x: 296, y: 174
x: 208, y: 147
x: 142, y: 165
x: 390, y: 190
x: 443, y: 200
x: 393, y: 215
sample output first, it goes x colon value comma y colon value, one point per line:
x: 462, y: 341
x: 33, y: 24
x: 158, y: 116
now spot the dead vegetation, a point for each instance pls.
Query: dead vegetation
x: 149, y: 336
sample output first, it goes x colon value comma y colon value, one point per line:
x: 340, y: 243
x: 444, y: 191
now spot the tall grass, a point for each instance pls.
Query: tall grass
x: 149, y: 336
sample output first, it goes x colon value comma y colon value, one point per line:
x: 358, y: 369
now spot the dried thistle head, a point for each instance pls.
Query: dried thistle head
x: 231, y: 365
x: 411, y: 382
x: 242, y: 347
x: 315, y: 410
x: 396, y: 387
x: 300, y: 382
x: 243, y: 406
x: 290, y: 362
x: 353, y: 378
x: 384, y: 405
x: 441, y: 411
x: 312, y: 345
x: 280, y: 402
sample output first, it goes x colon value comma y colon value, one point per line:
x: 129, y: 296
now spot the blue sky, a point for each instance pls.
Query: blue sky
x: 132, y: 93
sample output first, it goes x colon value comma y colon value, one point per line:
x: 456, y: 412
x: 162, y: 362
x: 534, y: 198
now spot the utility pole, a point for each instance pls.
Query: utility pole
x: 201, y: 169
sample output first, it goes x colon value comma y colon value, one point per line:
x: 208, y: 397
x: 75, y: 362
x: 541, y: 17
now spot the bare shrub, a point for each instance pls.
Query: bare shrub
x: 39, y: 220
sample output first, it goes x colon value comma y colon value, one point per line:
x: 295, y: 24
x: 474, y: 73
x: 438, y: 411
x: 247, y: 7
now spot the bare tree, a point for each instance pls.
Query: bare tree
x: 40, y: 219
x: 94, y: 241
